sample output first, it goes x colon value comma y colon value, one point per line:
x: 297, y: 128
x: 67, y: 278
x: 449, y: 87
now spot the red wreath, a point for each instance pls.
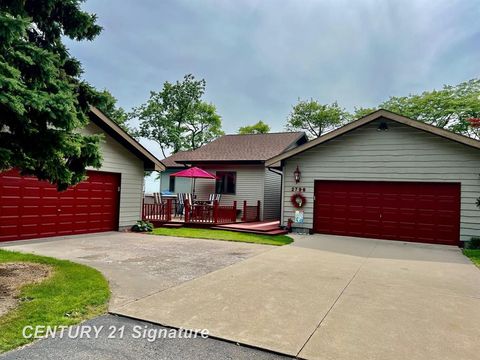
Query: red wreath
x: 298, y: 200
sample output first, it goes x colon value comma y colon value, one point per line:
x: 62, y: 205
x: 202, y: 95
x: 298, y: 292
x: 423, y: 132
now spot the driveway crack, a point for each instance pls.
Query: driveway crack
x: 337, y: 298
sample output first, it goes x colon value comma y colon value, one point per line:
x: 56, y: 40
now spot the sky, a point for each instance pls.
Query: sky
x: 259, y: 57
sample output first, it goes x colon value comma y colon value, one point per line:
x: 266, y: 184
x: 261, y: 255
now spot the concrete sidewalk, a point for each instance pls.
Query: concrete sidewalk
x: 334, y: 298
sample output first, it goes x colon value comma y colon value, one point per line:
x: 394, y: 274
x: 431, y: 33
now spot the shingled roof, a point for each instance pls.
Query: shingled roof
x: 239, y: 148
x: 169, y: 162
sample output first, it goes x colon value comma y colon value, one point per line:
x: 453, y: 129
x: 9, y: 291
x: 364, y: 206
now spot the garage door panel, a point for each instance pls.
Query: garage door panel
x: 408, y: 211
x: 37, y: 209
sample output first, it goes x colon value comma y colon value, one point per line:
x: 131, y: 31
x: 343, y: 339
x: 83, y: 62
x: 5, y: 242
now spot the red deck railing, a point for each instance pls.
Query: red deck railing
x: 157, y: 212
x: 210, y: 214
x: 201, y: 213
x: 251, y: 213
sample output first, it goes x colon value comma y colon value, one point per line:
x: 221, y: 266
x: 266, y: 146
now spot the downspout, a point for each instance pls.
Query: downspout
x: 281, y: 191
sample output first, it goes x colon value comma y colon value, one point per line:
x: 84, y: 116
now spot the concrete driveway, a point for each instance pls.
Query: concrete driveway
x: 138, y: 265
x: 330, y: 297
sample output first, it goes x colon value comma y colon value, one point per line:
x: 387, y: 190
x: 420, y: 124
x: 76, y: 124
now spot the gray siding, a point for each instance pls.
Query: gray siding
x: 271, y: 207
x: 182, y: 185
x: 117, y: 159
x: 250, y: 185
x: 400, y: 154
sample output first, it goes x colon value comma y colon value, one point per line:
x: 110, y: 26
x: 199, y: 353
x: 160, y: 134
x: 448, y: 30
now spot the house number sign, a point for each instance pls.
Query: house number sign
x: 298, y: 189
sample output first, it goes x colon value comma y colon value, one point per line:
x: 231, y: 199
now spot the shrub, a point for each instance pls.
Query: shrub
x: 474, y: 243
x: 142, y: 226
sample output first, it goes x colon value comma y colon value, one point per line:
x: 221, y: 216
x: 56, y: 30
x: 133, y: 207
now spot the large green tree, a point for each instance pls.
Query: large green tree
x: 448, y: 108
x: 108, y: 105
x: 177, y: 118
x: 316, y: 118
x: 258, y: 128
x: 202, y: 127
x: 42, y: 98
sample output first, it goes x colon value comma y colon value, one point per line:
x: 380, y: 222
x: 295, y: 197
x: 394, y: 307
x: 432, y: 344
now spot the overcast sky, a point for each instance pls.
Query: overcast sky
x: 259, y: 57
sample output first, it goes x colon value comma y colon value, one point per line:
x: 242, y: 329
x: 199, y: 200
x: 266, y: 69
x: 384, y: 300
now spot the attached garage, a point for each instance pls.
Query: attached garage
x: 108, y: 200
x: 408, y: 211
x: 32, y: 208
x: 385, y: 176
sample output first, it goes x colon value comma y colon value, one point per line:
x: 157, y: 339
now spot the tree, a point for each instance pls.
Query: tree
x: 316, y: 118
x: 204, y: 126
x: 42, y: 99
x: 448, y: 108
x: 361, y: 112
x: 258, y: 128
x: 176, y: 118
x: 108, y: 105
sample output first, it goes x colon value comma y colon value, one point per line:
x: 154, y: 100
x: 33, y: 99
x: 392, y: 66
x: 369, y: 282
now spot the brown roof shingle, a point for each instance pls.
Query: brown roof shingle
x: 169, y: 162
x: 251, y: 147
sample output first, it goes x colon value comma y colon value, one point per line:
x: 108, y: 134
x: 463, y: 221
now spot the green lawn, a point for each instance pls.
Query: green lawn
x: 224, y: 235
x: 70, y: 295
x: 474, y: 255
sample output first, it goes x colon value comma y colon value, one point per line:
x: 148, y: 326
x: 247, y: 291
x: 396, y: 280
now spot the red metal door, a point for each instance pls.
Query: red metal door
x: 30, y: 208
x: 407, y: 211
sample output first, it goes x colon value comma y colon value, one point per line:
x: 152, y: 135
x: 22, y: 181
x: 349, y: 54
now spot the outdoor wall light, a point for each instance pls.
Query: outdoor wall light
x: 297, y: 174
x: 383, y: 126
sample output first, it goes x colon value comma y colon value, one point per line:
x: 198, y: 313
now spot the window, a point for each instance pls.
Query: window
x: 171, y: 184
x: 226, y: 182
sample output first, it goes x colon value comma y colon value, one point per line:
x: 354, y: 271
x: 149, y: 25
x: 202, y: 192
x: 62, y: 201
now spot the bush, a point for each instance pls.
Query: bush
x: 474, y: 243
x: 142, y: 226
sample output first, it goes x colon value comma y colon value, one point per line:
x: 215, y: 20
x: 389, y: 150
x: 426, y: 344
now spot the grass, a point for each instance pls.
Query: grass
x: 474, y: 255
x: 70, y: 295
x: 224, y: 235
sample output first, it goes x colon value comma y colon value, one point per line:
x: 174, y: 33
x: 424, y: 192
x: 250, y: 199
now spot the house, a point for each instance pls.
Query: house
x: 384, y: 176
x: 238, y: 161
x: 171, y: 184
x: 109, y: 199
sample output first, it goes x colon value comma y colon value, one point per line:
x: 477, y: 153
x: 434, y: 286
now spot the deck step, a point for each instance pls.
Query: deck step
x: 173, y: 225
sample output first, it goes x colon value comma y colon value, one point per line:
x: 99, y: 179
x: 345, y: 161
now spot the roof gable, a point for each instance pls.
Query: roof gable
x: 367, y: 119
x: 120, y: 135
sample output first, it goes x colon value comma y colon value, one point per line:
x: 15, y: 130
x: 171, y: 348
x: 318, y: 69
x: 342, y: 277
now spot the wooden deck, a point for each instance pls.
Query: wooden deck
x: 199, y: 214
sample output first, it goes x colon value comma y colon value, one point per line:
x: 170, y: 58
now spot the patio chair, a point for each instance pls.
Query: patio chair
x: 181, y: 197
x: 189, y: 197
x: 214, y: 197
x: 180, y: 205
x: 157, y: 198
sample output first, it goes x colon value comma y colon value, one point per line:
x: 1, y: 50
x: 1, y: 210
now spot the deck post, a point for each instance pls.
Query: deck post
x: 143, y: 208
x: 168, y: 216
x: 215, y: 211
x: 186, y: 209
x: 234, y: 212
x: 258, y: 210
x: 244, y: 212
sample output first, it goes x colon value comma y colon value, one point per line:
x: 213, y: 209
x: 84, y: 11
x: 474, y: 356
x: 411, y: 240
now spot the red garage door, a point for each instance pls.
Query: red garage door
x: 422, y: 212
x: 30, y: 208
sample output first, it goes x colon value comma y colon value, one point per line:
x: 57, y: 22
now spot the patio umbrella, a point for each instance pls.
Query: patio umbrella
x: 194, y: 173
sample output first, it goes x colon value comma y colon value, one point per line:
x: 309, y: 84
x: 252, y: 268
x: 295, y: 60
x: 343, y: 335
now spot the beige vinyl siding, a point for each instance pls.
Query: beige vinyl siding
x: 249, y: 186
x: 271, y: 207
x: 400, y: 154
x: 117, y: 159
